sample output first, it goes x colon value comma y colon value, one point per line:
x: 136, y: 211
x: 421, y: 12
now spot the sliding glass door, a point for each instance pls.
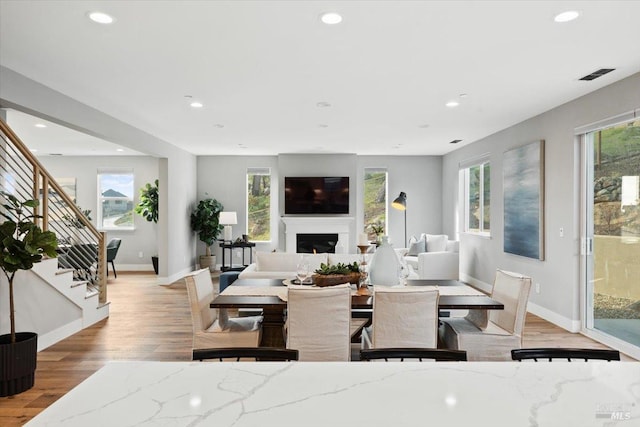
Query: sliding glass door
x: 611, y: 243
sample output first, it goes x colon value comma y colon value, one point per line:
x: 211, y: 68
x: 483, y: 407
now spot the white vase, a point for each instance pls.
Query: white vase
x: 385, y: 267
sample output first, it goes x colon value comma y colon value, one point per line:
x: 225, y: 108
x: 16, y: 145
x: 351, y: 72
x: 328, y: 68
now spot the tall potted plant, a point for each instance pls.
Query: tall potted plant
x: 22, y: 244
x: 147, y: 207
x: 205, y: 220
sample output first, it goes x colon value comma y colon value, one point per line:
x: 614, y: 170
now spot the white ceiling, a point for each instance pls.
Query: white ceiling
x: 54, y: 139
x: 261, y: 67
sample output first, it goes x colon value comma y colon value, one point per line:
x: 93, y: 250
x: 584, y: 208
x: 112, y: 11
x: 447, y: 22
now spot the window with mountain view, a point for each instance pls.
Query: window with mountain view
x: 259, y: 204
x: 478, y: 198
x: 375, y: 202
x: 115, y: 205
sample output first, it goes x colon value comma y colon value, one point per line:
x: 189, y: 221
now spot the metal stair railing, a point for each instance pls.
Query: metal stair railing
x: 81, y: 246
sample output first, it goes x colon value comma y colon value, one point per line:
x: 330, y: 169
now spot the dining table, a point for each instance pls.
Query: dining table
x: 269, y: 295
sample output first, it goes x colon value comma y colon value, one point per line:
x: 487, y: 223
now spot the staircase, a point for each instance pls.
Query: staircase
x: 57, y: 297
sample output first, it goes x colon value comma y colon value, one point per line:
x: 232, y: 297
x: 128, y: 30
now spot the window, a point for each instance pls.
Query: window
x: 259, y: 204
x: 477, y: 198
x: 375, y: 202
x: 115, y: 208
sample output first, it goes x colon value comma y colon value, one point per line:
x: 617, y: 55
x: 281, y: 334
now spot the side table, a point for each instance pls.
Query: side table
x: 231, y: 246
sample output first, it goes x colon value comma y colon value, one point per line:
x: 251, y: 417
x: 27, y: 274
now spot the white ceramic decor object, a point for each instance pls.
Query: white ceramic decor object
x: 385, y: 267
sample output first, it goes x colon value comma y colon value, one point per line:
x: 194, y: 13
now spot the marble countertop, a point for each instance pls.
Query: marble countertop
x: 371, y: 394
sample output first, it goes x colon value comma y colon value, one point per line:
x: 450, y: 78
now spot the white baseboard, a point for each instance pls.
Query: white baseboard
x: 132, y: 267
x: 483, y: 286
x: 164, y: 280
x: 553, y: 317
x: 50, y: 338
x: 546, y: 314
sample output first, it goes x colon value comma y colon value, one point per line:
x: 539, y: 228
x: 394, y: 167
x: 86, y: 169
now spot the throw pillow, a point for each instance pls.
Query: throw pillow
x: 437, y: 242
x: 416, y: 248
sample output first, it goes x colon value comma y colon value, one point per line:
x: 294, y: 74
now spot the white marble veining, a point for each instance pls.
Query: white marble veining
x: 352, y: 394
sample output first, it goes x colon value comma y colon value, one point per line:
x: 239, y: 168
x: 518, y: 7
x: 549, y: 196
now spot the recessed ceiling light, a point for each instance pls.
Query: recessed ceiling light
x: 452, y: 104
x: 119, y: 150
x: 196, y: 104
x: 424, y: 126
x: 323, y: 104
x: 40, y: 125
x: 100, y: 18
x: 567, y: 16
x: 218, y: 125
x: 331, y: 18
x: 322, y: 125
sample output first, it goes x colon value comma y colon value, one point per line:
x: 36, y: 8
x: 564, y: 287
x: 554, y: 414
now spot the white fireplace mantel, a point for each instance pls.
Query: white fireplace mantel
x: 340, y: 225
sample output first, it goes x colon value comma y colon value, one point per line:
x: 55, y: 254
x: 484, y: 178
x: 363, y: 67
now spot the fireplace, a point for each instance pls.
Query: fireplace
x: 307, y: 243
x: 333, y: 225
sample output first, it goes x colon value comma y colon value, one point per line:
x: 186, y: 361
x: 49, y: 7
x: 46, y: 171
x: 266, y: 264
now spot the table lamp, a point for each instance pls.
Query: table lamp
x: 400, y: 203
x: 228, y: 219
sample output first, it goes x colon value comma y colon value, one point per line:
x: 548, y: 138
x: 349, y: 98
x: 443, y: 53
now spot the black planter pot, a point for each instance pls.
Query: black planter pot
x: 154, y: 260
x: 17, y: 362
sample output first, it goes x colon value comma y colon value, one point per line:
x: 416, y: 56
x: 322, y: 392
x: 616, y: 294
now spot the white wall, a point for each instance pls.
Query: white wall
x: 558, y: 274
x: 224, y: 178
x: 85, y: 170
x: 420, y: 177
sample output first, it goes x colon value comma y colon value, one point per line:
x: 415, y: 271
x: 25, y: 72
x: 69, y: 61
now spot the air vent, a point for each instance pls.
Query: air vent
x: 599, y: 73
x: 455, y: 141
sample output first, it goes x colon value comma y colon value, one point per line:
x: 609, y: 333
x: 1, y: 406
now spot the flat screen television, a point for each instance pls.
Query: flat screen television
x: 316, y: 195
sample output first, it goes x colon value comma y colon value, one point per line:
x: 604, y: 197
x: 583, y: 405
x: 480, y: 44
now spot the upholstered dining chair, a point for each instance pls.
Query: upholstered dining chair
x: 213, y: 328
x: 112, y: 251
x: 402, y: 317
x: 319, y: 322
x: 491, y: 336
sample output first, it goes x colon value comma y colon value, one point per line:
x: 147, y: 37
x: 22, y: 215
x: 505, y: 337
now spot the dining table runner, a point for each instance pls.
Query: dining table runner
x: 281, y: 291
x: 455, y: 290
x: 257, y: 291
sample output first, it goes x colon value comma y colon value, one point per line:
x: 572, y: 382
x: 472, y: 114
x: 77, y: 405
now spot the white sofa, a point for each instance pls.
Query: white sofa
x: 281, y: 265
x: 438, y: 259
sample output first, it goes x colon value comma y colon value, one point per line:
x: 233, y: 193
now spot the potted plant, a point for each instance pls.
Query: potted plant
x: 330, y: 275
x: 205, y: 220
x: 147, y: 207
x: 378, y: 229
x: 22, y: 244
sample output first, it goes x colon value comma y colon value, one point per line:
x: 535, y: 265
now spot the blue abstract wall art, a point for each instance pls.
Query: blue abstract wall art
x: 523, y: 183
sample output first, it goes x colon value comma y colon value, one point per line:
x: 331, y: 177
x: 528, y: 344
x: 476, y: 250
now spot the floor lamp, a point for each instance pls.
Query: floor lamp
x: 400, y: 203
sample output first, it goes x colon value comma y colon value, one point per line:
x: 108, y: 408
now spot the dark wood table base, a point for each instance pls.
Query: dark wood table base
x: 273, y: 328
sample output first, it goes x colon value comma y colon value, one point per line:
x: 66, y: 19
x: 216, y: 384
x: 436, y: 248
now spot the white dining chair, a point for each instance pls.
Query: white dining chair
x: 319, y: 322
x: 213, y: 328
x: 492, y: 336
x: 403, y: 317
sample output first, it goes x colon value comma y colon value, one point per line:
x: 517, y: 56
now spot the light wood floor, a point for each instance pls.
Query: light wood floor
x: 151, y: 322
